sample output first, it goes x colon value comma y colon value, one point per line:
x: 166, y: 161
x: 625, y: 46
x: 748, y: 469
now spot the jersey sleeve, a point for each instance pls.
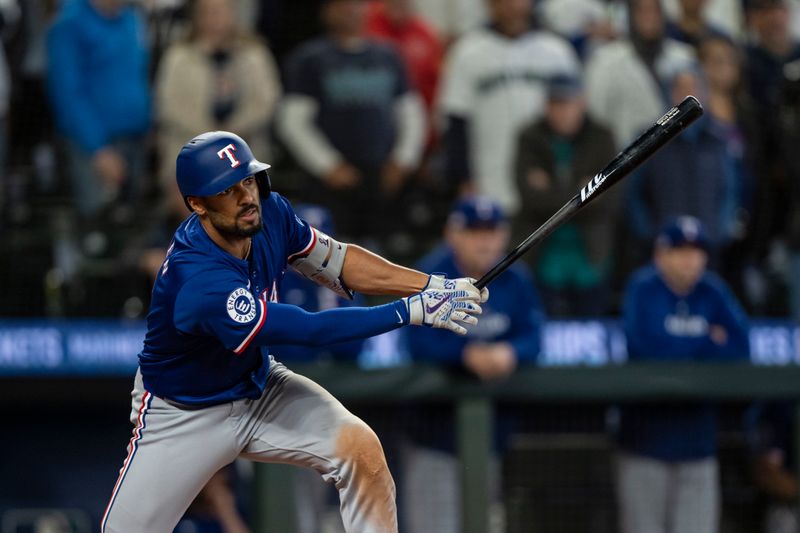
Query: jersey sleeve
x: 300, y: 235
x: 457, y: 91
x: 220, y: 306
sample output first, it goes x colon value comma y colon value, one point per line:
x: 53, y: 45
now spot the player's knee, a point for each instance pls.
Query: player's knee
x: 360, y: 446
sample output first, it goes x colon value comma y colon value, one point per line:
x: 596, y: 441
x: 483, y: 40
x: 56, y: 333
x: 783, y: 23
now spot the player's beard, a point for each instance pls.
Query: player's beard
x: 236, y: 229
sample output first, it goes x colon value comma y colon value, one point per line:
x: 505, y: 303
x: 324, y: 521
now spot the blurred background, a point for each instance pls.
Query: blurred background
x: 637, y: 372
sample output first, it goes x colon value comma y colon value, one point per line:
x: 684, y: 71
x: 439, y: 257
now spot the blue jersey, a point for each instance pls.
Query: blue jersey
x: 208, y: 306
x: 662, y: 326
x: 302, y: 292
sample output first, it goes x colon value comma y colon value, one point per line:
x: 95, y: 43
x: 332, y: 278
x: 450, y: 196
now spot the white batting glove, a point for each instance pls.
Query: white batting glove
x: 444, y: 308
x: 440, y: 281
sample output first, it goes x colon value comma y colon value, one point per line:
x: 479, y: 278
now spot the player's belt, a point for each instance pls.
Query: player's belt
x: 190, y: 407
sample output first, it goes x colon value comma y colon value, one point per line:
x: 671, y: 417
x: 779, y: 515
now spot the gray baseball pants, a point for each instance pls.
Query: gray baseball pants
x: 176, y: 449
x: 661, y: 497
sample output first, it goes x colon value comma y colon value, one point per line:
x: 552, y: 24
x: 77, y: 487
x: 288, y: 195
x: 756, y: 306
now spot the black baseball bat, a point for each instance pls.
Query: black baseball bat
x: 664, y: 130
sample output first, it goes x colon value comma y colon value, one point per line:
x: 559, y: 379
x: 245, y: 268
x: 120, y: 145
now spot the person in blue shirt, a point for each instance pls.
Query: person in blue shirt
x: 97, y: 83
x: 675, y: 311
x: 208, y: 391
x: 476, y: 235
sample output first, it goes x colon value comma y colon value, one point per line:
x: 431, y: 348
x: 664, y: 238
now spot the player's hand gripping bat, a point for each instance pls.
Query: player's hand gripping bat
x: 665, y: 129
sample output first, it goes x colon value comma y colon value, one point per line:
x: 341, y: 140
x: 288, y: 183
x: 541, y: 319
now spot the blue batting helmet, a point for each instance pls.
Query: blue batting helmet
x: 216, y: 160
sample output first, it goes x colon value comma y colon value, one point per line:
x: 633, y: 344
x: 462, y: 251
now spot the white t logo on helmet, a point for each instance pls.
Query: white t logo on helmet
x: 228, y: 152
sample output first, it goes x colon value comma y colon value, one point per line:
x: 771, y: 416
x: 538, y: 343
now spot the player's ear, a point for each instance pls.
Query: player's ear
x: 196, y: 205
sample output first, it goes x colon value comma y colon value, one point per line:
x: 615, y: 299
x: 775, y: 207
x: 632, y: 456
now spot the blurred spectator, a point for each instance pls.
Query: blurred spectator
x: 397, y: 22
x: 452, y: 18
x: 730, y: 114
x: 726, y: 15
x: 220, y: 78
x: 625, y: 79
x: 352, y: 120
x: 494, y: 83
x: 150, y: 248
x: 587, y: 24
x: 770, y: 431
x: 5, y: 97
x: 790, y: 134
x: 556, y: 156
x: 772, y: 48
x: 693, y: 174
x: 675, y: 310
x: 692, y: 26
x: 98, y: 86
x: 507, y: 336
x: 286, y: 24
x: 30, y: 146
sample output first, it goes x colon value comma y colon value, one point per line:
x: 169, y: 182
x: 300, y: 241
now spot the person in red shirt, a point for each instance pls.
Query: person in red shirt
x: 397, y: 22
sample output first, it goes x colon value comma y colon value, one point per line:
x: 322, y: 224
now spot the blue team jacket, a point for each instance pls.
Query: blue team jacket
x: 661, y: 326
x: 97, y: 74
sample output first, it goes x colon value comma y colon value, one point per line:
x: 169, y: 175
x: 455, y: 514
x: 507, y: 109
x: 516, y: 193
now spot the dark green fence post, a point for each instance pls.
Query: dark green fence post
x: 474, y: 429
x: 274, y: 509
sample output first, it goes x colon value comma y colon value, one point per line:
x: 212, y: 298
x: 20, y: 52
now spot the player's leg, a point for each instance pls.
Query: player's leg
x: 298, y: 422
x: 172, y: 454
x: 697, y: 498
x: 643, y: 492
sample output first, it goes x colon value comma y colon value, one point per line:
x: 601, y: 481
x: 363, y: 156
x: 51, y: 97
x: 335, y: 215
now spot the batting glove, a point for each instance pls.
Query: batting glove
x: 440, y: 281
x: 444, y: 308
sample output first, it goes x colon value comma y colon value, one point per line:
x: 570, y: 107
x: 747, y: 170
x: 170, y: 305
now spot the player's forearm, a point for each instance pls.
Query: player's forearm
x: 288, y: 324
x: 368, y: 273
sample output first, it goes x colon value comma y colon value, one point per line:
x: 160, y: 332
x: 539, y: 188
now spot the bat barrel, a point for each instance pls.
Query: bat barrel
x: 664, y: 130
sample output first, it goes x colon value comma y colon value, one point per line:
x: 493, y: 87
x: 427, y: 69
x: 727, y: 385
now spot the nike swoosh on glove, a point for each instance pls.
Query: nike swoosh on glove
x: 441, y: 282
x: 444, y: 308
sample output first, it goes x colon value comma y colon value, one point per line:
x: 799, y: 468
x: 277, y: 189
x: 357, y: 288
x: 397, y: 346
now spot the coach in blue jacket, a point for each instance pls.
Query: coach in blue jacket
x: 508, y: 334
x: 675, y: 310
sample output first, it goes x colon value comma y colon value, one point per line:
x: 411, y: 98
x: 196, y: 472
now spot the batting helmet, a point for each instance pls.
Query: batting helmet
x: 216, y: 160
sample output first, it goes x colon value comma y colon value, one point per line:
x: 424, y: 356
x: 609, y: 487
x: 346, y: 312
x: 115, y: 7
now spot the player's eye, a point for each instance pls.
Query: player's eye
x: 225, y: 192
x: 249, y: 181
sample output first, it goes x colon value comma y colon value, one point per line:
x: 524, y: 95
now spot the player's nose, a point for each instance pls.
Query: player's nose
x: 245, y: 195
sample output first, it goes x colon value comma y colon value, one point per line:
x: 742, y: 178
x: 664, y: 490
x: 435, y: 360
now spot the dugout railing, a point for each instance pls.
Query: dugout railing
x: 473, y: 410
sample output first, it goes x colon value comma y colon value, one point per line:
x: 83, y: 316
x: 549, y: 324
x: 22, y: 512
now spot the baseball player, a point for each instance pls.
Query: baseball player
x: 207, y: 391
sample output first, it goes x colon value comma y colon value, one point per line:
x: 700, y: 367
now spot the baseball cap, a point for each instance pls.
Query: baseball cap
x: 683, y: 231
x: 476, y: 212
x: 564, y: 87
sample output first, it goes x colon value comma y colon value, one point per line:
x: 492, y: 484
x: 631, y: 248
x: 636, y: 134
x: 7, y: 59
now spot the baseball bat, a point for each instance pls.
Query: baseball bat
x: 664, y: 130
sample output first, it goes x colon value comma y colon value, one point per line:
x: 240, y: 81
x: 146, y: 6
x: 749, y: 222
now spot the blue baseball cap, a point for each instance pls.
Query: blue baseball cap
x: 476, y: 212
x: 564, y: 87
x: 684, y: 230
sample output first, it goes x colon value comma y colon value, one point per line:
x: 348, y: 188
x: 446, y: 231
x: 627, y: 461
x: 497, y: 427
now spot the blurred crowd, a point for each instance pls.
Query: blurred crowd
x: 386, y: 112
x: 437, y: 133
